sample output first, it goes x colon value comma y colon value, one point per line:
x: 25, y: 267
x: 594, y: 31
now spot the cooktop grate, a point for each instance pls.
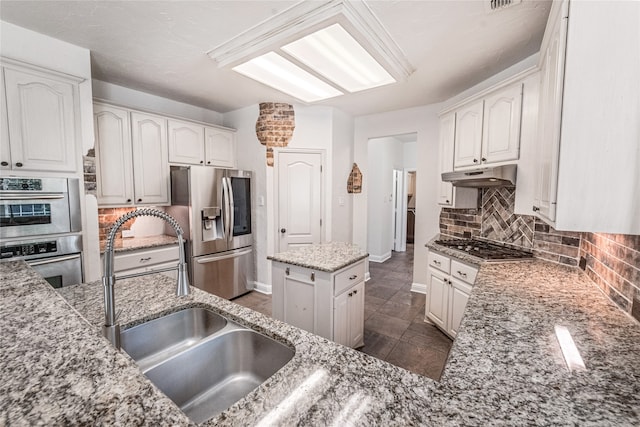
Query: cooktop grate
x: 486, y: 250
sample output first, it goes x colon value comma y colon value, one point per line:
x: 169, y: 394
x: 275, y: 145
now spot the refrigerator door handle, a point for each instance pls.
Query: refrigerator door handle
x: 227, y: 214
x: 231, y: 210
x: 221, y: 257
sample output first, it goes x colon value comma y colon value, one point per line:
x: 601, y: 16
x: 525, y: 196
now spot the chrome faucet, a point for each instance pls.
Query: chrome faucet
x: 111, y: 327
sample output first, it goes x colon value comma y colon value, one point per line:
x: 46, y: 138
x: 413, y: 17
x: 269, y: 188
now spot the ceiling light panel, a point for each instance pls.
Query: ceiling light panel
x: 281, y: 74
x: 335, y: 54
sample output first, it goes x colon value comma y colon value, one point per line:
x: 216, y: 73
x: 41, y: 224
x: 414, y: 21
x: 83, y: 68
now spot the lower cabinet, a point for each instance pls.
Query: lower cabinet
x: 449, y: 286
x: 147, y: 260
x: 328, y: 304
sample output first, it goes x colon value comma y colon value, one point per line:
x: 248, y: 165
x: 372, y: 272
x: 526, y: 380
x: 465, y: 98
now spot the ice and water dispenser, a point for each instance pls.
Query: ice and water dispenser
x: 212, y: 226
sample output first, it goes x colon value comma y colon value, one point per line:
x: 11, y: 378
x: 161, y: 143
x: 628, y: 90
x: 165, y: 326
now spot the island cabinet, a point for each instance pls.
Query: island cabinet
x: 449, y: 285
x: 147, y: 260
x: 327, y: 303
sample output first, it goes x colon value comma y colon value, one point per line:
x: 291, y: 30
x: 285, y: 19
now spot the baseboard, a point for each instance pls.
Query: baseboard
x: 420, y: 288
x: 379, y: 258
x: 262, y: 288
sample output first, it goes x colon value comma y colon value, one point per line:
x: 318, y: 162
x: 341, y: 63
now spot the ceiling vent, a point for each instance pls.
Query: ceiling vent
x: 495, y: 5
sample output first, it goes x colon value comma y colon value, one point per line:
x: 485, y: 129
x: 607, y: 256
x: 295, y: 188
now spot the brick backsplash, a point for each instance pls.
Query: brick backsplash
x: 612, y: 260
x: 106, y: 218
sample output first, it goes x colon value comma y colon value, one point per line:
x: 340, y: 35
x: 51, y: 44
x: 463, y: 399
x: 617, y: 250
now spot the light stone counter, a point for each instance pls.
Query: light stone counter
x: 136, y: 243
x: 504, y: 367
x: 327, y: 257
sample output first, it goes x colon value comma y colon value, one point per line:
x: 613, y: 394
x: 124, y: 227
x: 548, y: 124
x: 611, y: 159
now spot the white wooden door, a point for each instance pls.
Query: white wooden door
x: 220, y: 148
x: 501, y: 137
x: 437, y: 297
x: 186, y: 143
x: 468, y: 145
x: 447, y: 140
x: 114, y: 167
x: 150, y: 163
x: 356, y: 316
x: 459, y: 295
x: 299, y: 198
x: 41, y: 121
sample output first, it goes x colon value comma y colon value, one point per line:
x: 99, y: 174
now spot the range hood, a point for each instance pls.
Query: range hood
x: 497, y: 176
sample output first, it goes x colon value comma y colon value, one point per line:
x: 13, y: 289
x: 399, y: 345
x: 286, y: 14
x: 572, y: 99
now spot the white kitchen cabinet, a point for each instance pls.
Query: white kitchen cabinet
x: 588, y: 118
x: 448, y: 195
x: 501, y: 125
x: 328, y: 304
x: 468, y: 139
x: 186, y: 143
x: 220, y: 147
x: 449, y: 285
x: 40, y: 123
x: 131, y: 157
x: 147, y: 260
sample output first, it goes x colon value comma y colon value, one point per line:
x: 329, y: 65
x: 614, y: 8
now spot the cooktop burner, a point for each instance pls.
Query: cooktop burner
x: 486, y: 250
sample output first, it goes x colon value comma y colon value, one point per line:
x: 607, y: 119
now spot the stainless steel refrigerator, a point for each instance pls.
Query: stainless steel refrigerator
x: 213, y: 206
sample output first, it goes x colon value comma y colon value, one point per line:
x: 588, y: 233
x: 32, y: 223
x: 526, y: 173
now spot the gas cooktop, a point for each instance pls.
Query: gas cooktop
x: 486, y: 250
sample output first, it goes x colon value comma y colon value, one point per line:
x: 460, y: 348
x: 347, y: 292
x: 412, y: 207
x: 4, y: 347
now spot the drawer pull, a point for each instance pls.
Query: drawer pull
x: 350, y: 294
x: 287, y: 271
x: 462, y: 274
x: 355, y: 292
x: 355, y: 276
x: 436, y: 262
x: 145, y: 259
x: 313, y: 276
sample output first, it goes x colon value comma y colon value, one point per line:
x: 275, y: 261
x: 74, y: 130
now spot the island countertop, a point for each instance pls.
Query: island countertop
x: 329, y: 257
x: 136, y: 243
x: 504, y: 368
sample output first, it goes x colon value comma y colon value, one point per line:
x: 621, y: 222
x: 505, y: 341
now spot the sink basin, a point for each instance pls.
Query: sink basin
x: 202, y: 361
x: 157, y: 340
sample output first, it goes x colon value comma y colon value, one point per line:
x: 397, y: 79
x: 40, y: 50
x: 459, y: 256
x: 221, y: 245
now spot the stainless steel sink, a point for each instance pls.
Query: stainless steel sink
x: 204, y: 374
x: 157, y: 340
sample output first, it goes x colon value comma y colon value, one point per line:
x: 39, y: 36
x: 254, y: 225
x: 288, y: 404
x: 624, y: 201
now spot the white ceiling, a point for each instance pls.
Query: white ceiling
x: 160, y: 46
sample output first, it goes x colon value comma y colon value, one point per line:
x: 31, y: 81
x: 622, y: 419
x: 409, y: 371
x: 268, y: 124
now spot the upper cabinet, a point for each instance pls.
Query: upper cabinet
x: 448, y: 196
x: 589, y: 118
x: 38, y: 119
x: 132, y: 165
x: 488, y: 130
x: 194, y: 144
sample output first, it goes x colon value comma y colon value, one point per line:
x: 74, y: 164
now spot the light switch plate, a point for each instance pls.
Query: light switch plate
x: 127, y: 233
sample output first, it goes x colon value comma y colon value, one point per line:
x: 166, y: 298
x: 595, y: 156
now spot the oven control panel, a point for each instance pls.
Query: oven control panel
x: 27, y: 249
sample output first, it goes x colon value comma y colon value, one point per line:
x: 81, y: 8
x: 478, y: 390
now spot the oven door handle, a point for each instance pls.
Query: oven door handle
x: 41, y: 196
x: 52, y: 260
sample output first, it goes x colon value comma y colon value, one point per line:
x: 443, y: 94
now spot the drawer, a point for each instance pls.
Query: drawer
x: 441, y: 262
x: 464, y: 272
x: 349, y: 277
x: 144, y: 258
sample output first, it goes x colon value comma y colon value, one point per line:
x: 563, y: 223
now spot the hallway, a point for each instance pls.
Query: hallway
x: 394, y: 326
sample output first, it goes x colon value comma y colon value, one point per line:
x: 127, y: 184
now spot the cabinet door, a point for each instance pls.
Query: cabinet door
x: 356, y: 316
x: 549, y: 117
x: 459, y: 295
x: 41, y: 121
x: 300, y: 304
x: 501, y: 130
x: 447, y: 140
x: 186, y: 143
x: 437, y: 298
x: 114, y: 169
x: 220, y: 148
x: 5, y: 151
x: 341, y: 318
x: 468, y: 140
x: 150, y: 163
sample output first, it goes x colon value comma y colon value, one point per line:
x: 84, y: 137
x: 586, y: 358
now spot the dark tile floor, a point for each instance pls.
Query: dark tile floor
x: 394, y: 326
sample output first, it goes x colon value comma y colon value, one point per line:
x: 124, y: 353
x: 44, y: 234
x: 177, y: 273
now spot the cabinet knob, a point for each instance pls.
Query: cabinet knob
x: 447, y: 201
x: 139, y: 200
x: 350, y: 294
x: 283, y: 230
x: 355, y: 292
x: 535, y: 209
x: 201, y: 161
x: 209, y: 162
x: 128, y: 200
x: 4, y: 163
x: 475, y: 160
x: 484, y: 159
x: 18, y: 164
x: 287, y: 271
x: 436, y: 262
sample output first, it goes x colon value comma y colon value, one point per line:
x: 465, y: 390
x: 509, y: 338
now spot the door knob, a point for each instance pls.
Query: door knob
x: 283, y: 230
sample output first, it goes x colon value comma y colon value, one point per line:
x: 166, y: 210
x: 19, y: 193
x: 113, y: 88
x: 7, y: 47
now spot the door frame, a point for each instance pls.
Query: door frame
x: 276, y: 193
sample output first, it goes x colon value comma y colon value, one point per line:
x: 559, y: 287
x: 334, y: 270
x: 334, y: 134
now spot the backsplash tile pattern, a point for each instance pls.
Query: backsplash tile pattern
x: 613, y: 263
x: 556, y: 246
x: 499, y: 223
x: 460, y: 223
x: 106, y: 218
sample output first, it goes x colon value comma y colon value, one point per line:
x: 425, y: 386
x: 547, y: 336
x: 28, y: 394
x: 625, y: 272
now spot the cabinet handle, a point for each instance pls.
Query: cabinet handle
x: 355, y: 276
x: 536, y: 209
x: 462, y: 274
x: 355, y: 292
x: 4, y: 163
x: 209, y: 162
x: 287, y: 271
x: 201, y: 161
x: 484, y: 159
x: 475, y: 160
x: 436, y: 262
x: 350, y: 294
x: 139, y: 200
x: 313, y: 276
x: 128, y: 200
x: 145, y: 259
x: 18, y: 164
x: 447, y: 201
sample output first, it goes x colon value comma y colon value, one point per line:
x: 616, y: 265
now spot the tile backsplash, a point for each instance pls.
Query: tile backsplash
x: 612, y: 260
x: 106, y: 218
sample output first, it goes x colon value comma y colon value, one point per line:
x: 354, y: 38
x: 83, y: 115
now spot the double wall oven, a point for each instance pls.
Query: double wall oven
x: 40, y: 223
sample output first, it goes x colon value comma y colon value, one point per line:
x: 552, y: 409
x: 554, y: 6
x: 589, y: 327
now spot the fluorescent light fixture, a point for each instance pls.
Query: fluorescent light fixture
x: 336, y: 55
x: 275, y: 71
x: 569, y: 350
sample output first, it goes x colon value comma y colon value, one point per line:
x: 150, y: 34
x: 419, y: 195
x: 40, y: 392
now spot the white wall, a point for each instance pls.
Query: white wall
x: 424, y: 121
x: 25, y: 45
x: 410, y: 158
x: 145, y: 101
x: 341, y: 225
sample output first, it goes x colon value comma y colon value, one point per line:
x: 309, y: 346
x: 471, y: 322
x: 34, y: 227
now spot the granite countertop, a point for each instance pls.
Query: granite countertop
x: 504, y: 368
x: 328, y: 257
x: 136, y: 243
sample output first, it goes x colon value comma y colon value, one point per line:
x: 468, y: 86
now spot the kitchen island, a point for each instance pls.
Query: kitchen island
x: 504, y: 368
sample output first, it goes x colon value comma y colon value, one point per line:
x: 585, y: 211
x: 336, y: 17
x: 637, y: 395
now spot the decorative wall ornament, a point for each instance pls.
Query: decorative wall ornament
x: 275, y: 125
x: 354, y: 183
